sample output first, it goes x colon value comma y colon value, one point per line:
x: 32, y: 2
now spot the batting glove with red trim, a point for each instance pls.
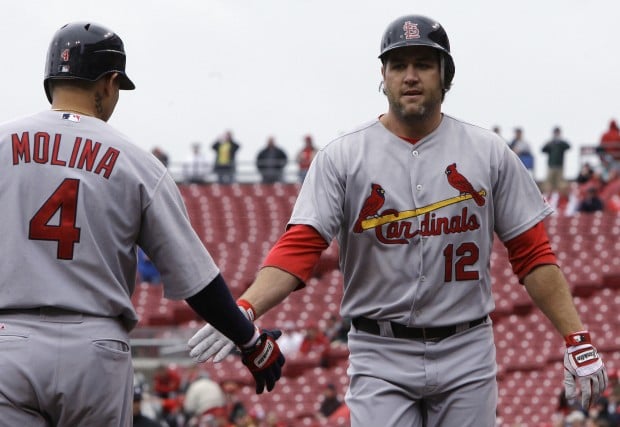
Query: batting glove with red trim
x: 583, y: 364
x: 264, y: 360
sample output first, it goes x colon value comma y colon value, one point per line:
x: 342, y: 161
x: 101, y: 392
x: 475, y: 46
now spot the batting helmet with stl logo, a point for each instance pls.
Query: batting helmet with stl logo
x: 85, y: 51
x: 418, y: 30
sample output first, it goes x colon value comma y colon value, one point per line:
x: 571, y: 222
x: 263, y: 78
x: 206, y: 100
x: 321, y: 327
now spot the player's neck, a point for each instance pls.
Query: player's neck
x: 410, y: 129
x: 74, y: 101
x: 73, y: 110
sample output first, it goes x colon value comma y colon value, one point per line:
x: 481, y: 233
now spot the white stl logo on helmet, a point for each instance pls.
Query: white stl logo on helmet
x: 411, y: 30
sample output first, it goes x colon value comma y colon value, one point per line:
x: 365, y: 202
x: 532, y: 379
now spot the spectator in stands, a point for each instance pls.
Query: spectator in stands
x: 291, y: 339
x: 234, y: 406
x: 610, y: 194
x: 147, y: 272
x: 271, y: 161
x: 330, y: 401
x: 196, y: 167
x: 273, y: 420
x: 562, y: 410
x: 586, y: 173
x: 167, y: 387
x: 555, y: 149
x: 522, y: 148
x: 225, y: 158
x: 566, y: 201
x: 172, y: 414
x: 305, y: 156
x: 599, y: 414
x: 337, y: 328
x: 167, y: 381
x: 161, y: 155
x: 575, y: 419
x: 592, y: 202
x: 315, y: 341
x: 610, y: 142
x: 205, y: 404
x: 253, y: 418
x: 139, y: 419
x: 614, y: 404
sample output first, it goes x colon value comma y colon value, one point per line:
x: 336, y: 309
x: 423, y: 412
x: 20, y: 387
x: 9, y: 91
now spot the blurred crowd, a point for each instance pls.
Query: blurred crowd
x: 270, y: 162
x: 173, y: 396
x: 595, y: 188
x: 597, y: 185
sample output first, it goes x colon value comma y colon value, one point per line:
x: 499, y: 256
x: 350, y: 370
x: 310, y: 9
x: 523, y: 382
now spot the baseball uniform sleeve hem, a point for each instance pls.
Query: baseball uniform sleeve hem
x: 530, y: 250
x: 297, y: 251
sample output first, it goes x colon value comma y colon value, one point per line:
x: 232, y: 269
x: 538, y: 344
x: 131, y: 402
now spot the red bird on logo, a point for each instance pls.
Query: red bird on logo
x: 371, y: 206
x: 461, y: 183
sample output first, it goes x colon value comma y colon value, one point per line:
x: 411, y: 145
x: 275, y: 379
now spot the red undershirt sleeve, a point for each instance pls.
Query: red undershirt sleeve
x: 297, y: 251
x: 530, y: 250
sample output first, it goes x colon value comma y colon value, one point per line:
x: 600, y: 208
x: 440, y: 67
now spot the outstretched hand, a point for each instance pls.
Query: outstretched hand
x: 209, y: 343
x: 264, y: 360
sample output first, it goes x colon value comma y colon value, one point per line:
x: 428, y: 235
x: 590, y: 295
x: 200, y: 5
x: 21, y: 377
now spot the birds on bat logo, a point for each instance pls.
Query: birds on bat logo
x: 371, y: 206
x: 462, y: 184
x: 376, y: 199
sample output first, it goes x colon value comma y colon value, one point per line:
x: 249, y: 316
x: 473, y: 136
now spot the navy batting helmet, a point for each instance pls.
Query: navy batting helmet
x: 85, y: 51
x: 418, y: 30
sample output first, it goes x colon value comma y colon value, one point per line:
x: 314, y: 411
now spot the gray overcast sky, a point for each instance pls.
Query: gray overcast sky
x: 291, y: 67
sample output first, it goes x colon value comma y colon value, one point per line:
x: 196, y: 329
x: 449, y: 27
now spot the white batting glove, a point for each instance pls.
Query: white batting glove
x: 209, y: 343
x: 583, y: 364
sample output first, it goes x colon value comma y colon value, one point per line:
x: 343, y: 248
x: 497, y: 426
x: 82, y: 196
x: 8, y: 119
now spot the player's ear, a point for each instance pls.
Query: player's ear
x: 116, y: 80
x: 382, y: 84
x: 111, y: 83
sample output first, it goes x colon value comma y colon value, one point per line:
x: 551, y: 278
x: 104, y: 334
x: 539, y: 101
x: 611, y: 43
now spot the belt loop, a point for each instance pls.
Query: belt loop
x: 461, y: 327
x: 385, y: 328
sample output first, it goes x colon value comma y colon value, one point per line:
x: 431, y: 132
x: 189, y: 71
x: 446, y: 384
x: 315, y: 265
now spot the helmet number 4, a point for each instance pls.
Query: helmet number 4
x: 64, y: 201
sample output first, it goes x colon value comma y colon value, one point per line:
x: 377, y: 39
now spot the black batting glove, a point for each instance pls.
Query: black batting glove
x: 264, y: 359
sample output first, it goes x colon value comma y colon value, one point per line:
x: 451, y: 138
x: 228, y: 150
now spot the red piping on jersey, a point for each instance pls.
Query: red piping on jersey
x: 530, y: 250
x: 297, y: 251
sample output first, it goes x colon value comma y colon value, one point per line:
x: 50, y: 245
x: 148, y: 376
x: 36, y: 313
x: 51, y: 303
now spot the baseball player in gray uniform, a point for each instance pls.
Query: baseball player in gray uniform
x: 76, y: 199
x: 414, y: 198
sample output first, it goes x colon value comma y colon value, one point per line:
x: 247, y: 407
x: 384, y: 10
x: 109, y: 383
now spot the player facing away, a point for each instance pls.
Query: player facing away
x: 414, y: 198
x: 77, y: 199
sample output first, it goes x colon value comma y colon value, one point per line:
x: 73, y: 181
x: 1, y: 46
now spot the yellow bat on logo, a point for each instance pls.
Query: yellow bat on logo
x: 369, y: 223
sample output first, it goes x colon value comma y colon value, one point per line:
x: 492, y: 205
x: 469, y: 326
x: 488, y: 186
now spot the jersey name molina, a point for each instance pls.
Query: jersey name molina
x: 75, y: 198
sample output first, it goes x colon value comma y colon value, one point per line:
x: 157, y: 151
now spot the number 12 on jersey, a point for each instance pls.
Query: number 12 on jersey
x: 467, y: 254
x: 64, y: 201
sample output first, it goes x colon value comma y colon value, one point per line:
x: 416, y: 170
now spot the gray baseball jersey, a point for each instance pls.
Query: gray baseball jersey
x: 415, y: 222
x: 75, y: 198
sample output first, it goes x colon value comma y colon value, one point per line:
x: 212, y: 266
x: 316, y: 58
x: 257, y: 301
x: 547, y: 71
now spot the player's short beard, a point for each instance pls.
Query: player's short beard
x: 420, y: 113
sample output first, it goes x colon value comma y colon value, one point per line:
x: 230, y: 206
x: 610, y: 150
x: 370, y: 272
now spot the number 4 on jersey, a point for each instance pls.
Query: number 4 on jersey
x: 64, y: 201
